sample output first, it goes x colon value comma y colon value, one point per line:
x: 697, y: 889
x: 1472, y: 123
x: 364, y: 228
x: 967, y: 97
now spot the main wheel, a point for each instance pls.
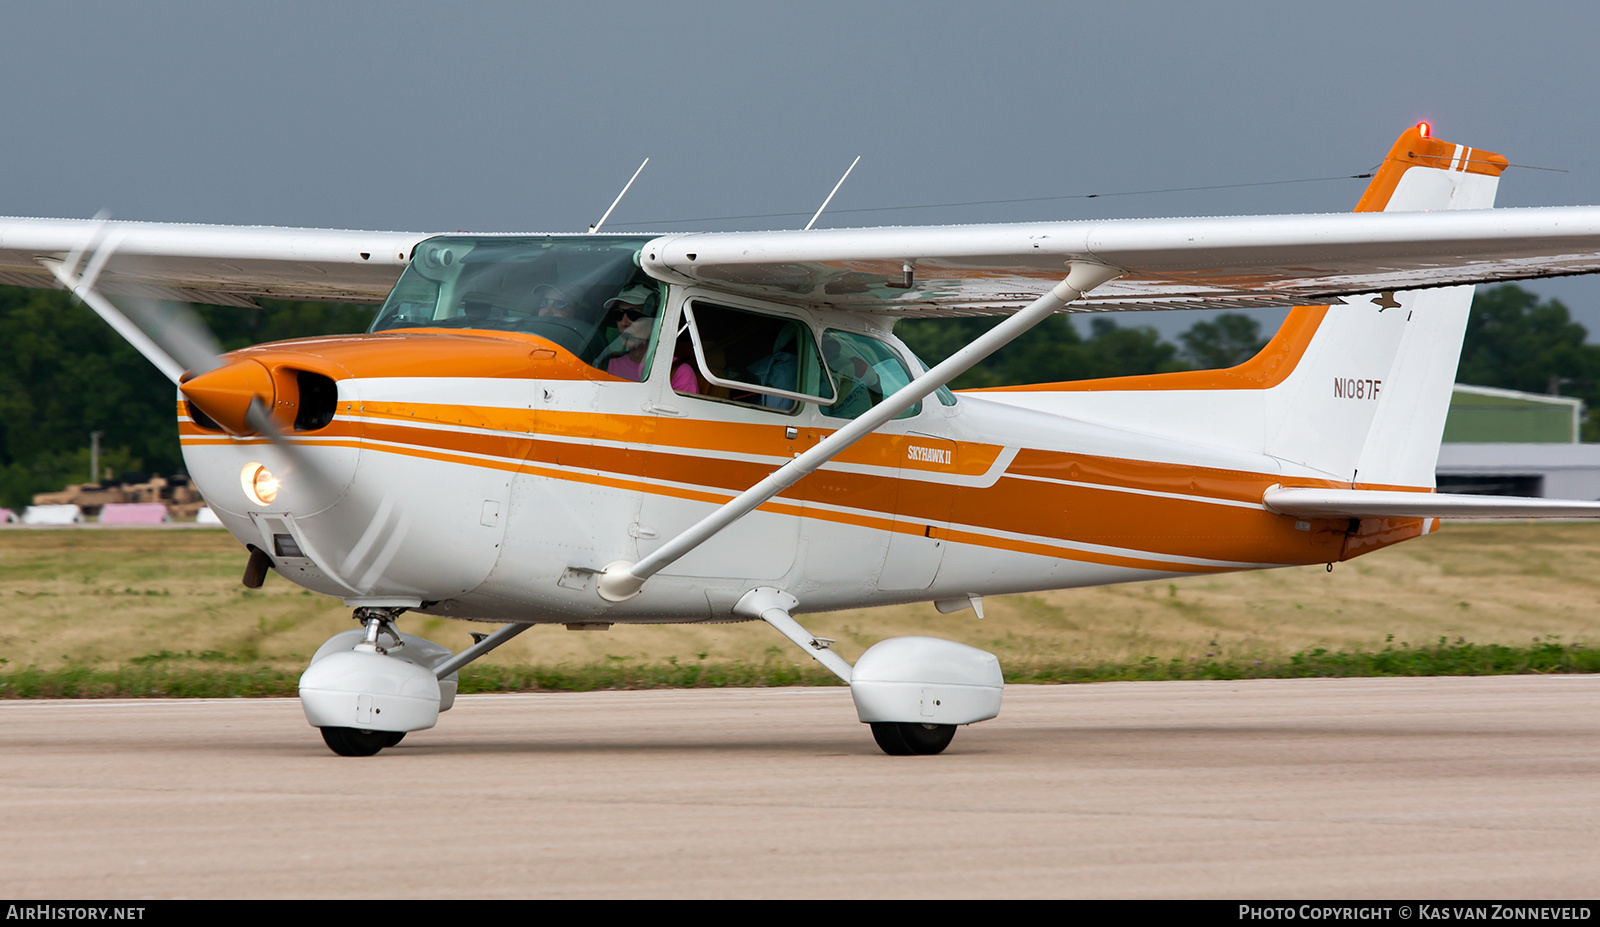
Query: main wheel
x: 347, y: 741
x: 395, y: 737
x: 898, y: 738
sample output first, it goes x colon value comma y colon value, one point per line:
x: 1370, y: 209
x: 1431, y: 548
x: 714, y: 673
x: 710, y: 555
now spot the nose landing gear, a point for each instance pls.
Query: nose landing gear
x: 366, y: 689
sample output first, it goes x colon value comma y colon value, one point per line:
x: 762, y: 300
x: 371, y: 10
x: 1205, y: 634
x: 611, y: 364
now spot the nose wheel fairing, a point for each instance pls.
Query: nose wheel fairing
x: 366, y: 689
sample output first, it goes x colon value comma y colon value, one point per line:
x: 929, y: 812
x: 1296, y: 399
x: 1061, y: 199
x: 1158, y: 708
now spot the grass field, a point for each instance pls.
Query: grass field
x: 109, y: 600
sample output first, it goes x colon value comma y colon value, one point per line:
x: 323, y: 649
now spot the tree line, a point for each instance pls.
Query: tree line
x: 64, y: 373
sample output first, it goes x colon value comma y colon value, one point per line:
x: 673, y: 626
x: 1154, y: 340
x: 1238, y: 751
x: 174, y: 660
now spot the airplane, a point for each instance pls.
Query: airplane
x: 602, y: 429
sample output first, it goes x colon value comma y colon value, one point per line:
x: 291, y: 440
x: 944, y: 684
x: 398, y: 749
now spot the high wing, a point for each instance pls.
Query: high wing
x: 221, y: 264
x: 1200, y: 263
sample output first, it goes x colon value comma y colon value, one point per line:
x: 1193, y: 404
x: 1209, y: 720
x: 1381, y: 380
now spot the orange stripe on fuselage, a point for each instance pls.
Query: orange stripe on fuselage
x: 1088, y: 505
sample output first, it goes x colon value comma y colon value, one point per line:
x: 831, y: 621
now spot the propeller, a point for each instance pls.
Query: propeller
x: 174, y: 338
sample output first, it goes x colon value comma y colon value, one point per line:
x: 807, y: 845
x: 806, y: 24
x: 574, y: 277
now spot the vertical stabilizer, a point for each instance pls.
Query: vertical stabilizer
x: 1367, y: 401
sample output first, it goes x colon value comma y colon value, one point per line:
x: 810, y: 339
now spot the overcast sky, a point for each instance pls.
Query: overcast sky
x: 441, y: 116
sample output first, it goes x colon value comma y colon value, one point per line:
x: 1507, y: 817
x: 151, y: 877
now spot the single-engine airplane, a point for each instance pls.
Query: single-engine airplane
x: 607, y: 428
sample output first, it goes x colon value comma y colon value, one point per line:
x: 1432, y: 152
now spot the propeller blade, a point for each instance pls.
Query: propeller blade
x: 177, y: 330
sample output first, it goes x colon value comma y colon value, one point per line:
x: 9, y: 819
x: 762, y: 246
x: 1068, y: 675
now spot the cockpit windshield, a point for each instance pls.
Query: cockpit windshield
x: 569, y: 290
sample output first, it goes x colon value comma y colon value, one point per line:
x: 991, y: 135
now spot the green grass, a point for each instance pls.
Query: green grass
x: 1441, y: 659
x: 174, y: 675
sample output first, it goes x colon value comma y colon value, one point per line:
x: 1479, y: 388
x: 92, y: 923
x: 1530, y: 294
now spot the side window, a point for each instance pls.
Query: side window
x: 749, y: 358
x: 945, y: 396
x: 864, y: 370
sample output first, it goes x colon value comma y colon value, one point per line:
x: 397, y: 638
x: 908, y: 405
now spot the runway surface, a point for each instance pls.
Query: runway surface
x: 1397, y: 788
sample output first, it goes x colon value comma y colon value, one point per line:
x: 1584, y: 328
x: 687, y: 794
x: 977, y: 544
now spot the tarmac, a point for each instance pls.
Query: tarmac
x: 1413, y: 788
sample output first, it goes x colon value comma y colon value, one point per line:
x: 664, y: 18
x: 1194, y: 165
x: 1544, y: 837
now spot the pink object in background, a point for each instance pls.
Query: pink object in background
x: 7, y: 516
x: 133, y: 513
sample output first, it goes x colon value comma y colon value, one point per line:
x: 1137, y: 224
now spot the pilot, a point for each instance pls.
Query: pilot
x: 636, y: 320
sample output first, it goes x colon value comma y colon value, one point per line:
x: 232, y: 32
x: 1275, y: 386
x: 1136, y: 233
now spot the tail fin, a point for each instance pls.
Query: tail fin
x: 1357, y: 392
x: 1368, y: 400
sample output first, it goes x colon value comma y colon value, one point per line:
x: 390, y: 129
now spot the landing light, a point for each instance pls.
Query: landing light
x: 259, y: 484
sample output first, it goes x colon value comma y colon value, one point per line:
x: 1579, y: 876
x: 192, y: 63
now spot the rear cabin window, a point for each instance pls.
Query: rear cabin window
x: 865, y: 371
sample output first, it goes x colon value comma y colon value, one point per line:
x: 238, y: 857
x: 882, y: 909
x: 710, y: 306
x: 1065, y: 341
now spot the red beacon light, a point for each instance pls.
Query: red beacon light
x: 1423, y: 129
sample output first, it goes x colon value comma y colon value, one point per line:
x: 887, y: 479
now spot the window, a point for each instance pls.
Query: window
x: 943, y: 393
x: 752, y: 358
x: 865, y: 371
x: 572, y: 290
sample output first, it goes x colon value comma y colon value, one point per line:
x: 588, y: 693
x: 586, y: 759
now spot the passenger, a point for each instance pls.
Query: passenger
x: 779, y: 369
x: 685, y: 375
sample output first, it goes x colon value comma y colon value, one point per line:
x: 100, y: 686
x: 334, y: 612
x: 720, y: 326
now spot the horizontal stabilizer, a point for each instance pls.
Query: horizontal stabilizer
x: 1361, y: 503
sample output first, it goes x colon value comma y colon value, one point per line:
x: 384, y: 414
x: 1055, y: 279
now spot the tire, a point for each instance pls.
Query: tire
x: 347, y: 741
x: 395, y: 737
x: 912, y: 739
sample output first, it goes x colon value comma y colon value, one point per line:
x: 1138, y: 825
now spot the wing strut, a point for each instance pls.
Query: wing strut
x: 623, y: 580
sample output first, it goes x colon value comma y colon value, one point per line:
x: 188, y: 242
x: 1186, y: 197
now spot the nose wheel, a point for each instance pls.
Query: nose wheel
x: 898, y: 738
x: 347, y: 741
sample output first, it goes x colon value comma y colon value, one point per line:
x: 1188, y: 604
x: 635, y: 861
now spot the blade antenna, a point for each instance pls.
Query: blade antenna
x: 596, y: 227
x: 832, y: 192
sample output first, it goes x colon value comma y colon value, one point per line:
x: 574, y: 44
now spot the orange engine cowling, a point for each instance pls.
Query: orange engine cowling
x: 294, y: 398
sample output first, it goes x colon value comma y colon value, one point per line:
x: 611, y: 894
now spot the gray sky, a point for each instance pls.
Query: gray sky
x: 441, y: 116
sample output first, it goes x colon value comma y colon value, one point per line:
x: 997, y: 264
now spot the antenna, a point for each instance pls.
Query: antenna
x: 832, y: 192
x: 596, y: 227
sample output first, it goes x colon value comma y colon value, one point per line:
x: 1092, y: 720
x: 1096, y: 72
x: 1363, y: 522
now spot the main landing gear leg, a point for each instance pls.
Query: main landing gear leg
x: 913, y: 691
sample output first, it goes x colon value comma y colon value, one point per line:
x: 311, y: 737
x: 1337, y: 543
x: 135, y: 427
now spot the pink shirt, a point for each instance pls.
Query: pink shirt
x: 683, y: 379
